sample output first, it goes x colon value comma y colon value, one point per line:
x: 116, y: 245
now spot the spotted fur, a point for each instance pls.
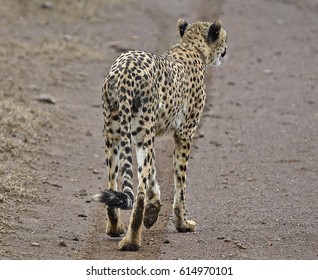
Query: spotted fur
x: 146, y: 95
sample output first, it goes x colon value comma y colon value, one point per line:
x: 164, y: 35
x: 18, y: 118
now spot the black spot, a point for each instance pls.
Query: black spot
x: 183, y: 179
x: 129, y: 159
x: 127, y: 184
x: 183, y: 168
x: 181, y: 195
x: 136, y: 104
x: 129, y: 173
x: 122, y: 89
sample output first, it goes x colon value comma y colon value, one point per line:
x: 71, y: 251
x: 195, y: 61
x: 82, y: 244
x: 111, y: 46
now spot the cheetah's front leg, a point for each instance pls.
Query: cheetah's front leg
x: 180, y: 161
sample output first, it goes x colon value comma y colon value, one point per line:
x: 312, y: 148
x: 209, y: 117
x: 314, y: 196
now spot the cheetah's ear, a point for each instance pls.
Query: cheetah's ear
x: 214, y: 31
x: 182, y: 25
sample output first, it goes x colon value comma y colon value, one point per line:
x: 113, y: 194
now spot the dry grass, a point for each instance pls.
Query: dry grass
x: 20, y: 126
x: 22, y: 129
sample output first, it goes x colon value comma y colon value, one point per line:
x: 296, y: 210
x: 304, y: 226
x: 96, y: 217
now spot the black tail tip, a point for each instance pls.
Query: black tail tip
x: 114, y: 199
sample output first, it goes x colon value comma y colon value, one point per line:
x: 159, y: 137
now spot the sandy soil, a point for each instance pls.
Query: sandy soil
x: 252, y: 182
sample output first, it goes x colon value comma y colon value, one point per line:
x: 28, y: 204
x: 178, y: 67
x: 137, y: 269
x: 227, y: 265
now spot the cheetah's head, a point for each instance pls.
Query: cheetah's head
x: 208, y: 38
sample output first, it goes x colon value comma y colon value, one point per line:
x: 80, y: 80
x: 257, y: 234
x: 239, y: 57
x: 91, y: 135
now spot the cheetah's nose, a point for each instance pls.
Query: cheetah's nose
x: 224, y: 53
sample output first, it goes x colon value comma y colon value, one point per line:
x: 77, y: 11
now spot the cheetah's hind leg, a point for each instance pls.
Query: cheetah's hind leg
x: 151, y: 213
x: 114, y: 226
x: 114, y: 201
x: 153, y: 203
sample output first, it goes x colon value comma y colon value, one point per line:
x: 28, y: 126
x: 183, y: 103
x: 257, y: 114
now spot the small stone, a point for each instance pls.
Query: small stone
x: 268, y: 71
x: 47, y: 5
x: 240, y: 246
x: 68, y: 37
x: 251, y: 179
x: 95, y: 171
x: 35, y: 244
x: 166, y: 241
x: 82, y: 215
x: 45, y: 98
x: 88, y: 133
x: 62, y: 243
x: 1, y: 198
x: 82, y: 193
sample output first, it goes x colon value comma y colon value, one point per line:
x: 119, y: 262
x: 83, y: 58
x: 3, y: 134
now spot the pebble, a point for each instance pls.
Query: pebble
x: 47, y: 5
x: 45, y: 98
x: 88, y: 133
x: 239, y: 245
x: 268, y: 71
x: 82, y: 193
x: 68, y: 37
x: 82, y: 215
x: 62, y: 243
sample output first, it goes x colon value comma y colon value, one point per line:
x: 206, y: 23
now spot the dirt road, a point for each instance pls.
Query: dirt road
x: 252, y: 182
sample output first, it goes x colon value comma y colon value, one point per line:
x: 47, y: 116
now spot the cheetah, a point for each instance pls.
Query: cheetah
x: 147, y: 95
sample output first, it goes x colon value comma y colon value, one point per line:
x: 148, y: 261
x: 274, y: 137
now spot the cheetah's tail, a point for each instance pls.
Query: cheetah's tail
x: 123, y: 200
x: 114, y: 199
